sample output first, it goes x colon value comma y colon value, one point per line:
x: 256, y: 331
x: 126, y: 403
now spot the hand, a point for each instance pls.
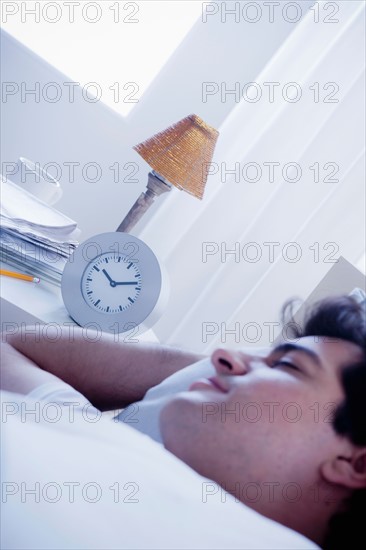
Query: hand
x: 127, y: 283
x: 112, y: 283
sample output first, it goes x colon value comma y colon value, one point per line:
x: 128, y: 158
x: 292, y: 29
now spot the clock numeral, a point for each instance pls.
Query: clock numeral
x: 90, y: 292
x: 119, y: 259
x: 97, y: 302
x: 129, y: 265
x: 107, y: 309
x: 120, y: 308
x: 89, y: 279
x: 106, y: 260
x: 132, y: 301
x: 95, y: 267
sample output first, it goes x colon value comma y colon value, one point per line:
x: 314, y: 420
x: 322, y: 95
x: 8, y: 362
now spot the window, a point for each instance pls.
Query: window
x: 118, y: 46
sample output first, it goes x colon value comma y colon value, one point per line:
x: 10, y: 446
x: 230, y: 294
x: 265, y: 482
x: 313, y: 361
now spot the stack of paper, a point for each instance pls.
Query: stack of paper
x: 34, y: 237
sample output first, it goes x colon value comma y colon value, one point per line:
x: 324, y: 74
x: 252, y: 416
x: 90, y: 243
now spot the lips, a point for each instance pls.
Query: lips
x: 214, y: 383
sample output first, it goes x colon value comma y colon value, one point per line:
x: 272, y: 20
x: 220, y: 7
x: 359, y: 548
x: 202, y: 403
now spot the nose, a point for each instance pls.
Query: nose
x: 230, y: 362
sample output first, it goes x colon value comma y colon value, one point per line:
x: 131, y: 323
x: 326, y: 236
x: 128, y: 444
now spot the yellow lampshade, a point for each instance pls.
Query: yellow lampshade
x: 181, y: 153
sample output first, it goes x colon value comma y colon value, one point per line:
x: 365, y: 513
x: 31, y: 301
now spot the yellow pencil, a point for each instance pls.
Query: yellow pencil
x: 19, y: 276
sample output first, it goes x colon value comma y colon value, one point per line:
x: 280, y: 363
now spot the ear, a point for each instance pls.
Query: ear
x: 347, y: 471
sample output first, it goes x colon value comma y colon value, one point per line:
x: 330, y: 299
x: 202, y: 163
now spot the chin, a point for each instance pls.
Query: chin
x: 180, y: 423
x: 187, y: 437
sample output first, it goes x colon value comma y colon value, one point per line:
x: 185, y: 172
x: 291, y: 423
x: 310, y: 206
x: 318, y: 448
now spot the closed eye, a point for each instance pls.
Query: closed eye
x: 284, y: 363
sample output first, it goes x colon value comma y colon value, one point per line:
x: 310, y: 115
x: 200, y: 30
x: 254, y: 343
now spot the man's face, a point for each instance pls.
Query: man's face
x: 262, y: 419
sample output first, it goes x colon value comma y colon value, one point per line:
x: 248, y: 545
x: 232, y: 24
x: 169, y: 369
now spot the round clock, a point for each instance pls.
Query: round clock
x: 114, y: 282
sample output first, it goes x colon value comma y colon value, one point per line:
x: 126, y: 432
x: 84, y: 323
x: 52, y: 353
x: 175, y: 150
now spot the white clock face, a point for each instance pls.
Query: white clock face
x: 111, y: 283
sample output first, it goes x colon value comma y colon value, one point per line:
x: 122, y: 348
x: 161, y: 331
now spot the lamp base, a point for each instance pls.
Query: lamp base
x: 156, y: 186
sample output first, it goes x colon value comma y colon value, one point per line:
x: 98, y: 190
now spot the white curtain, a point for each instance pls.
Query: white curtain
x: 243, y: 292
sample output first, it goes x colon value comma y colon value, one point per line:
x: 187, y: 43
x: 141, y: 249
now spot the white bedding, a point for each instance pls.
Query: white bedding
x: 101, y: 456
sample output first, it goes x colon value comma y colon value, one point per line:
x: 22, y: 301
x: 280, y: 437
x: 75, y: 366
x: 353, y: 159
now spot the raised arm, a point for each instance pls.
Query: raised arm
x: 110, y: 374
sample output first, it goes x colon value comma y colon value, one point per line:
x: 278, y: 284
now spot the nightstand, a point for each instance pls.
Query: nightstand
x: 23, y: 303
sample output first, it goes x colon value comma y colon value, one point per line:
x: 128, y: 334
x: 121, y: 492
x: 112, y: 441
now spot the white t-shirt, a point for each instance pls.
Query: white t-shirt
x: 73, y: 479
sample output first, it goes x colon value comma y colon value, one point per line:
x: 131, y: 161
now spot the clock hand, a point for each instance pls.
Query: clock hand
x: 127, y: 283
x: 108, y: 277
x: 111, y: 282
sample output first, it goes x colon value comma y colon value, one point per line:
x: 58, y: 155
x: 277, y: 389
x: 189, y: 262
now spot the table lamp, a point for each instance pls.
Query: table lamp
x: 178, y: 156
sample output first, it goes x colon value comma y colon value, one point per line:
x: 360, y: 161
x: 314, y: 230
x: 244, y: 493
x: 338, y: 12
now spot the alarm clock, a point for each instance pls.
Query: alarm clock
x: 114, y: 282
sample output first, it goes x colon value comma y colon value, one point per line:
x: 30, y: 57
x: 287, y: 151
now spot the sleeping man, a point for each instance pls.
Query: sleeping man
x: 292, y: 418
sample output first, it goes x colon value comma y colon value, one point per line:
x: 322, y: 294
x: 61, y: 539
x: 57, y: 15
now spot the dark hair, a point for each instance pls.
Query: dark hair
x: 342, y: 317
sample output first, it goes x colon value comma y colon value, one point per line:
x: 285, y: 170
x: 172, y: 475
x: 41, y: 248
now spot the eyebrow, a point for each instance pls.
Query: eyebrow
x: 284, y: 348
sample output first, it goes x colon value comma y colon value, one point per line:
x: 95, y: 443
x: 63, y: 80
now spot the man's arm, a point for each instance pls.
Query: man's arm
x: 19, y: 374
x: 110, y: 374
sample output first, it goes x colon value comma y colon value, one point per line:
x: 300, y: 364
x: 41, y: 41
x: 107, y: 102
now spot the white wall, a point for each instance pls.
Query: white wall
x: 83, y: 132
